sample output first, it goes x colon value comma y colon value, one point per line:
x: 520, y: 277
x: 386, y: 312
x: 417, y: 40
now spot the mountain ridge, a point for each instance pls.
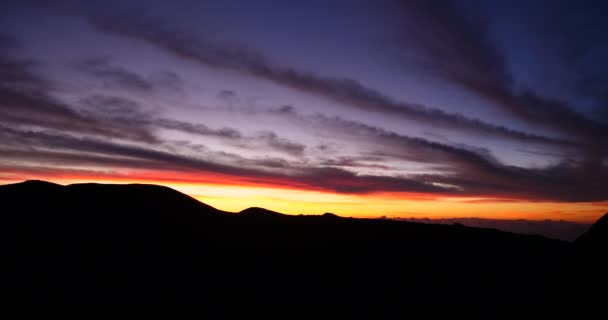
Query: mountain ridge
x: 142, y: 244
x: 259, y: 212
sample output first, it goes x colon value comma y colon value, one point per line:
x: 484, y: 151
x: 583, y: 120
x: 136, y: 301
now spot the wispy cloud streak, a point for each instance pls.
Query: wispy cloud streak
x: 345, y: 91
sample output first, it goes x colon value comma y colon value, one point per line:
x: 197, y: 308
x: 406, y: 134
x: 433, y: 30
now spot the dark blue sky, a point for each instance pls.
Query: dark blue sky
x: 486, y: 99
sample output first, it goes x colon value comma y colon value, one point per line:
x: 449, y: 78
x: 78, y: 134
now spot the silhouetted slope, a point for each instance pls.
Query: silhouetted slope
x: 587, y: 268
x: 137, y: 196
x: 30, y: 193
x: 596, y: 236
x: 592, y: 251
x: 31, y: 186
x: 42, y: 194
x: 141, y: 244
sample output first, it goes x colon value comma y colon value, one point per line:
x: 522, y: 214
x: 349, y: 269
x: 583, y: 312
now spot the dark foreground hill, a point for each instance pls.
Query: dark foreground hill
x: 104, y: 246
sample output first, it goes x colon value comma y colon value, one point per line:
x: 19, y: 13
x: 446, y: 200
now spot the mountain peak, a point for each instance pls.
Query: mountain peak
x: 31, y: 187
x: 260, y: 212
x: 36, y: 183
x: 330, y: 215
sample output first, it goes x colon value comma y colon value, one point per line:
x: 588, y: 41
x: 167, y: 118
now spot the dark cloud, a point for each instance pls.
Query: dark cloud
x: 228, y: 96
x: 344, y: 91
x: 561, y: 182
x: 16, y: 72
x: 265, y: 139
x: 168, y: 80
x: 262, y: 140
x: 370, y: 162
x: 70, y: 158
x: 198, y: 129
x: 113, y: 75
x: 271, y: 139
x: 26, y: 99
x: 37, y: 108
x: 575, y: 34
x: 537, y: 110
x: 329, y: 179
x: 461, y: 50
x: 118, y: 77
x: 343, y: 181
x: 469, y: 170
x: 450, y: 41
x: 39, y: 129
x: 166, y: 161
x: 475, y: 176
x: 128, y: 112
x: 384, y: 143
x: 115, y: 108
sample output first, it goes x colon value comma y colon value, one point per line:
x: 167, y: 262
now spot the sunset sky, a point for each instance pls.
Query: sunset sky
x: 439, y: 109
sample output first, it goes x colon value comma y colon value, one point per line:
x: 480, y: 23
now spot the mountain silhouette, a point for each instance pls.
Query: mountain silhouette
x: 98, y: 244
x: 330, y: 215
x: 590, y: 260
x: 597, y: 235
x: 261, y: 213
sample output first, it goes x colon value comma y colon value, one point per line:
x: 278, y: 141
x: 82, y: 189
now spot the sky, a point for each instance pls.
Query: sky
x: 405, y: 109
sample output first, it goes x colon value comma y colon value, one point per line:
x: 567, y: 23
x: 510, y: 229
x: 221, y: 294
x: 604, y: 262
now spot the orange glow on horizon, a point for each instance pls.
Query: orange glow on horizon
x: 230, y: 194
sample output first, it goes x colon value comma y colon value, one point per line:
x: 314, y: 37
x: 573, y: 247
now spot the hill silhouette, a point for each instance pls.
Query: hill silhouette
x: 590, y: 260
x: 555, y: 229
x: 596, y: 236
x: 261, y: 213
x: 96, y: 244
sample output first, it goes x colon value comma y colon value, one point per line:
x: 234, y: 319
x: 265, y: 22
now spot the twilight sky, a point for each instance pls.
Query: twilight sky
x: 494, y: 109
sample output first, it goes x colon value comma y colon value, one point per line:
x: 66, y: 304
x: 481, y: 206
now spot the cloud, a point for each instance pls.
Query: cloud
x: 26, y: 100
x: 230, y: 97
x: 573, y: 36
x: 52, y: 140
x: 328, y: 179
x: 470, y: 170
x: 198, y: 129
x: 36, y: 108
x: 70, y: 158
x: 117, y: 77
x: 120, y: 110
x: 345, y: 91
x: 462, y: 51
x: 475, y: 176
x: 472, y: 173
x: 271, y: 139
x: 16, y: 72
x: 385, y: 143
x: 110, y: 130
x: 262, y: 140
x: 561, y: 182
x: 114, y: 76
x: 371, y: 162
x: 114, y: 108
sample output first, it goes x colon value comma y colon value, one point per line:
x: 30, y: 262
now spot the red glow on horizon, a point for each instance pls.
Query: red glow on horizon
x: 232, y: 193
